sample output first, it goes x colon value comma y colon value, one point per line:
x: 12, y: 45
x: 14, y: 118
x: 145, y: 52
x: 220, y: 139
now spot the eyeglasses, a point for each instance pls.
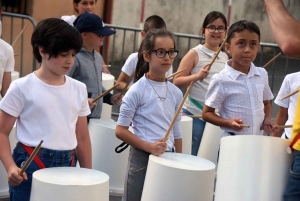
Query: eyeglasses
x: 213, y: 29
x: 162, y: 53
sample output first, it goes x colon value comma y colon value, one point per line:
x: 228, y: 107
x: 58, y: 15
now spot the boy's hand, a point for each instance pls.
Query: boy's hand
x: 235, y: 124
x: 91, y: 104
x: 157, y: 148
x: 116, y: 99
x: 13, y: 176
x: 269, y: 126
x: 105, y: 70
x: 203, y: 72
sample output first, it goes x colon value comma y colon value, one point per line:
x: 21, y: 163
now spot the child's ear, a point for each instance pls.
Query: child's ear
x: 42, y: 52
x: 143, y: 34
x: 83, y: 34
x: 227, y: 47
x: 146, y: 56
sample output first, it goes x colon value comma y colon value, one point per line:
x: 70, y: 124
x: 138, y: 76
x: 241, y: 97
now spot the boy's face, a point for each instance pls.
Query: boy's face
x: 243, y: 47
x: 92, y: 40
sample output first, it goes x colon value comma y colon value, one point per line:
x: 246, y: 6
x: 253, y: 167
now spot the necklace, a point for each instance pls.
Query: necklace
x: 161, y: 98
x: 160, y: 79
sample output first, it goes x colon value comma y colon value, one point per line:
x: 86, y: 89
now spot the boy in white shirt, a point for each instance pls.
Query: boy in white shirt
x: 152, y: 22
x: 287, y: 109
x: 46, y: 105
x: 240, y: 92
x: 7, y: 63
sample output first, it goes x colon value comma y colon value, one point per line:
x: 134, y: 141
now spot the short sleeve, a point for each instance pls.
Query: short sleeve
x: 85, y: 109
x: 12, y: 103
x: 130, y: 64
x: 267, y: 95
x: 214, y: 96
x: 284, y: 90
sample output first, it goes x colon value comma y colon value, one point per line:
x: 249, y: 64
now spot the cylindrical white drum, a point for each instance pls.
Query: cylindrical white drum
x: 104, y: 157
x: 210, y: 142
x: 107, y: 82
x: 3, y: 174
x: 252, y: 167
x: 186, y: 130
x: 178, y: 177
x: 68, y: 183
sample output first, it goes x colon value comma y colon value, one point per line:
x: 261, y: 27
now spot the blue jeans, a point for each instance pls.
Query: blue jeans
x: 50, y: 158
x: 197, y: 132
x: 292, y: 191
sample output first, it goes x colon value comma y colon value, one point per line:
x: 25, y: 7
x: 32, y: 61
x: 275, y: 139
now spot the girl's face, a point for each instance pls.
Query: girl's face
x: 214, y: 33
x: 159, y: 60
x: 85, y: 6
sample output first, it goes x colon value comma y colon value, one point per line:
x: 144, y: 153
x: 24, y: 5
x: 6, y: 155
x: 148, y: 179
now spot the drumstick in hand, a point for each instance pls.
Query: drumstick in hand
x: 285, y: 126
x: 106, y: 92
x: 127, y: 84
x: 214, y: 58
x: 27, y: 163
x: 271, y: 60
x: 290, y: 94
x: 177, y: 112
x: 172, y: 75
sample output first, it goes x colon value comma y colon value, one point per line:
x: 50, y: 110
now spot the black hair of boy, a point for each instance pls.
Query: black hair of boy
x: 240, y: 26
x: 55, y: 36
x: 212, y: 16
x: 154, y: 22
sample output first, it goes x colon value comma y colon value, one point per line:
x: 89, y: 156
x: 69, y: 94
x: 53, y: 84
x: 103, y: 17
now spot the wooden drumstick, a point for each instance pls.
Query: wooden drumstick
x: 195, y: 116
x: 284, y: 126
x: 20, y: 34
x: 107, y: 66
x: 172, y: 75
x: 127, y: 84
x: 271, y: 60
x: 290, y: 94
x: 15, y: 54
x: 106, y: 92
x: 214, y: 58
x: 177, y: 112
x: 27, y: 163
x: 245, y: 125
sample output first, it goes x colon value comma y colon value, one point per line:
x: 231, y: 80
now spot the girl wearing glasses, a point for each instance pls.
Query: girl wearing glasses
x: 196, y: 61
x: 150, y: 104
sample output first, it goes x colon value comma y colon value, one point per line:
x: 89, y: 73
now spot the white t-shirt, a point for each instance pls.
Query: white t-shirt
x: 46, y: 112
x: 69, y: 19
x: 7, y: 60
x: 289, y: 84
x: 130, y: 65
x: 150, y: 115
x: 239, y: 95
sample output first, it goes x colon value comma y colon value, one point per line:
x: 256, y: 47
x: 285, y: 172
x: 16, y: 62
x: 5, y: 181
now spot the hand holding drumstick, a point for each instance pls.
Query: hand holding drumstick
x: 237, y: 124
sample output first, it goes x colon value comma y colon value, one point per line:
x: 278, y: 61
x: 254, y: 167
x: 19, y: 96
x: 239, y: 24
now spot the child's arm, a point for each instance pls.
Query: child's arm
x: 268, y: 125
x: 156, y: 148
x: 189, y: 61
x: 178, y: 145
x: 83, y: 149
x: 281, y: 118
x: 209, y: 115
x: 122, y: 80
x: 6, y: 123
x: 5, y: 83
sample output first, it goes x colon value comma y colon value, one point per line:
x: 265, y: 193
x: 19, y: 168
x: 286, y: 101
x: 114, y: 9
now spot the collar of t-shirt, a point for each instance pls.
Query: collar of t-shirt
x: 234, y: 74
x: 207, y: 51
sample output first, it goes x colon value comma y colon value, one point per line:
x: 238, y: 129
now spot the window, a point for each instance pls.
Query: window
x: 15, y: 6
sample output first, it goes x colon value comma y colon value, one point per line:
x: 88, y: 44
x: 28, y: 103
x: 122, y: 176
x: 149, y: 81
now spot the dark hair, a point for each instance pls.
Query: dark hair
x: 147, y: 45
x: 55, y: 36
x: 240, y: 26
x: 154, y: 22
x: 212, y: 16
x: 77, y: 2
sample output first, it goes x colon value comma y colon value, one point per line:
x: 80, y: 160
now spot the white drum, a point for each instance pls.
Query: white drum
x: 3, y: 174
x: 107, y: 82
x: 210, y: 142
x: 104, y: 157
x: 252, y: 167
x: 69, y: 184
x: 178, y: 177
x: 186, y: 130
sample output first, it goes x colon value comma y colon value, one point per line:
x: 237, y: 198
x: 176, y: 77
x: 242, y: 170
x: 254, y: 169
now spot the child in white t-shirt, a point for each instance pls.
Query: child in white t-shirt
x: 7, y: 63
x: 46, y: 105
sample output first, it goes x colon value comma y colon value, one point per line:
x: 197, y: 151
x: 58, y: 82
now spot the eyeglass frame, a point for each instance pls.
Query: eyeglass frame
x: 216, y: 28
x: 166, y: 52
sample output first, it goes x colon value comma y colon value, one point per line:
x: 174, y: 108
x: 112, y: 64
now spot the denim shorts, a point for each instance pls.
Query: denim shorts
x: 292, y: 191
x: 50, y: 158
